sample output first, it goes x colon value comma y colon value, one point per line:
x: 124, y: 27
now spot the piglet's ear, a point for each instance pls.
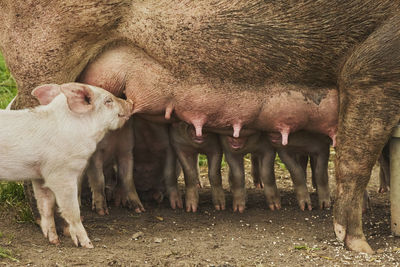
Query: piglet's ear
x: 79, y: 97
x: 46, y: 93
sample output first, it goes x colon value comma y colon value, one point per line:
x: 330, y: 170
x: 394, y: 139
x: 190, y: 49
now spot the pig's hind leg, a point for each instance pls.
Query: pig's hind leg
x: 65, y: 189
x: 369, y: 85
x: 97, y: 184
x: 46, y: 204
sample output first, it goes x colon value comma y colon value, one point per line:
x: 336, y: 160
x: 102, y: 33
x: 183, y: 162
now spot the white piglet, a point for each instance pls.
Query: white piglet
x: 52, y: 143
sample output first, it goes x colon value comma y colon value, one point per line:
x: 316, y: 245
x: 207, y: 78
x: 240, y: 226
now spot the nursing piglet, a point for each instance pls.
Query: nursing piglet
x: 52, y: 143
x: 116, y: 148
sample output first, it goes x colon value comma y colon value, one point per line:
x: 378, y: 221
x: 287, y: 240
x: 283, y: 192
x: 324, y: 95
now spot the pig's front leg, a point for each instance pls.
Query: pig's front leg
x: 255, y: 171
x: 236, y: 179
x: 299, y: 180
x: 189, y: 164
x: 266, y: 161
x: 125, y: 172
x: 46, y: 204
x: 97, y: 184
x: 171, y: 173
x: 320, y: 170
x: 65, y: 189
x: 214, y: 174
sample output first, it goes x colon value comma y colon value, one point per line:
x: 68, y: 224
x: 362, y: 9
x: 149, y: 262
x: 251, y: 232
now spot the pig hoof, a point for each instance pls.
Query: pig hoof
x: 239, y: 200
x: 191, y: 207
x: 219, y: 207
x: 326, y: 204
x: 218, y: 197
x: 175, y: 200
x: 305, y: 205
x: 133, y: 202
x: 102, y: 212
x: 158, y: 196
x: 192, y: 199
x: 274, y: 206
x: 55, y: 241
x: 358, y: 244
x: 87, y: 245
x: 239, y: 207
x: 304, y: 201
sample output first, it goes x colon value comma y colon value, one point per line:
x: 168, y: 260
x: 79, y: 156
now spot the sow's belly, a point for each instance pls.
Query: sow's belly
x: 211, y: 103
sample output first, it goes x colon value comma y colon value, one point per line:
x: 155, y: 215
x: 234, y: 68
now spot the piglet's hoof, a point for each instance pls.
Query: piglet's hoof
x: 304, y: 201
x: 192, y: 199
x: 218, y: 197
x: 175, y: 200
x: 273, y: 197
x: 239, y: 200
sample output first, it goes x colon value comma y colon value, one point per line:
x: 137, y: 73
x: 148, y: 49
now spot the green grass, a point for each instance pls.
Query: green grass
x: 12, y: 197
x: 8, y: 88
x: 11, y: 194
x: 7, y: 254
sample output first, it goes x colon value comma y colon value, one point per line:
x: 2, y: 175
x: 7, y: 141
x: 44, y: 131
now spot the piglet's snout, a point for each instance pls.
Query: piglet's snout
x: 126, y: 108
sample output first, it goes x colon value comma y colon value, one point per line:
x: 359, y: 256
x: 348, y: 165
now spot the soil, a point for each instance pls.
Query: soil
x: 165, y: 237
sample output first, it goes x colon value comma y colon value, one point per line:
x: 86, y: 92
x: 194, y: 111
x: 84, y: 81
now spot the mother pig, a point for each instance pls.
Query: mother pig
x: 215, y: 63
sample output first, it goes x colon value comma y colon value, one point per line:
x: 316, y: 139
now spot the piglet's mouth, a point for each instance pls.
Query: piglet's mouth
x: 198, y: 139
x: 236, y: 143
x: 123, y: 116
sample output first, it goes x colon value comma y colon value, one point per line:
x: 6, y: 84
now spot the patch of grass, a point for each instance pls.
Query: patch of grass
x: 279, y: 162
x: 12, y: 197
x: 8, y: 87
x: 203, y: 161
x: 7, y: 254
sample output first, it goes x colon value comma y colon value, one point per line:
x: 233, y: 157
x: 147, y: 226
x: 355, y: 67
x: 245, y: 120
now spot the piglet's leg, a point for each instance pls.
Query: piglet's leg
x: 125, y: 172
x: 97, y: 184
x: 236, y: 179
x: 255, y: 171
x: 267, y: 175
x: 189, y: 164
x: 299, y: 180
x: 45, y: 203
x: 65, y: 189
x: 171, y: 174
x: 320, y: 170
x: 214, y: 174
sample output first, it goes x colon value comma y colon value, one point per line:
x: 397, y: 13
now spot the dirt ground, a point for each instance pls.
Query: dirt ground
x: 165, y: 237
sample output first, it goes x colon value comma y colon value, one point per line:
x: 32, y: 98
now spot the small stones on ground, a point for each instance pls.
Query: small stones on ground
x: 157, y: 240
x: 96, y: 239
x: 137, y: 235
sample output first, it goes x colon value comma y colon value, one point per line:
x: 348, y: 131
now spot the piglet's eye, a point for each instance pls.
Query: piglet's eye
x: 108, y: 100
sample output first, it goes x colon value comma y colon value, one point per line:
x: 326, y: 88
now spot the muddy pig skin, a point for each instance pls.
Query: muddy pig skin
x: 187, y: 147
x: 155, y: 161
x: 116, y: 149
x: 325, y: 66
x: 52, y: 143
